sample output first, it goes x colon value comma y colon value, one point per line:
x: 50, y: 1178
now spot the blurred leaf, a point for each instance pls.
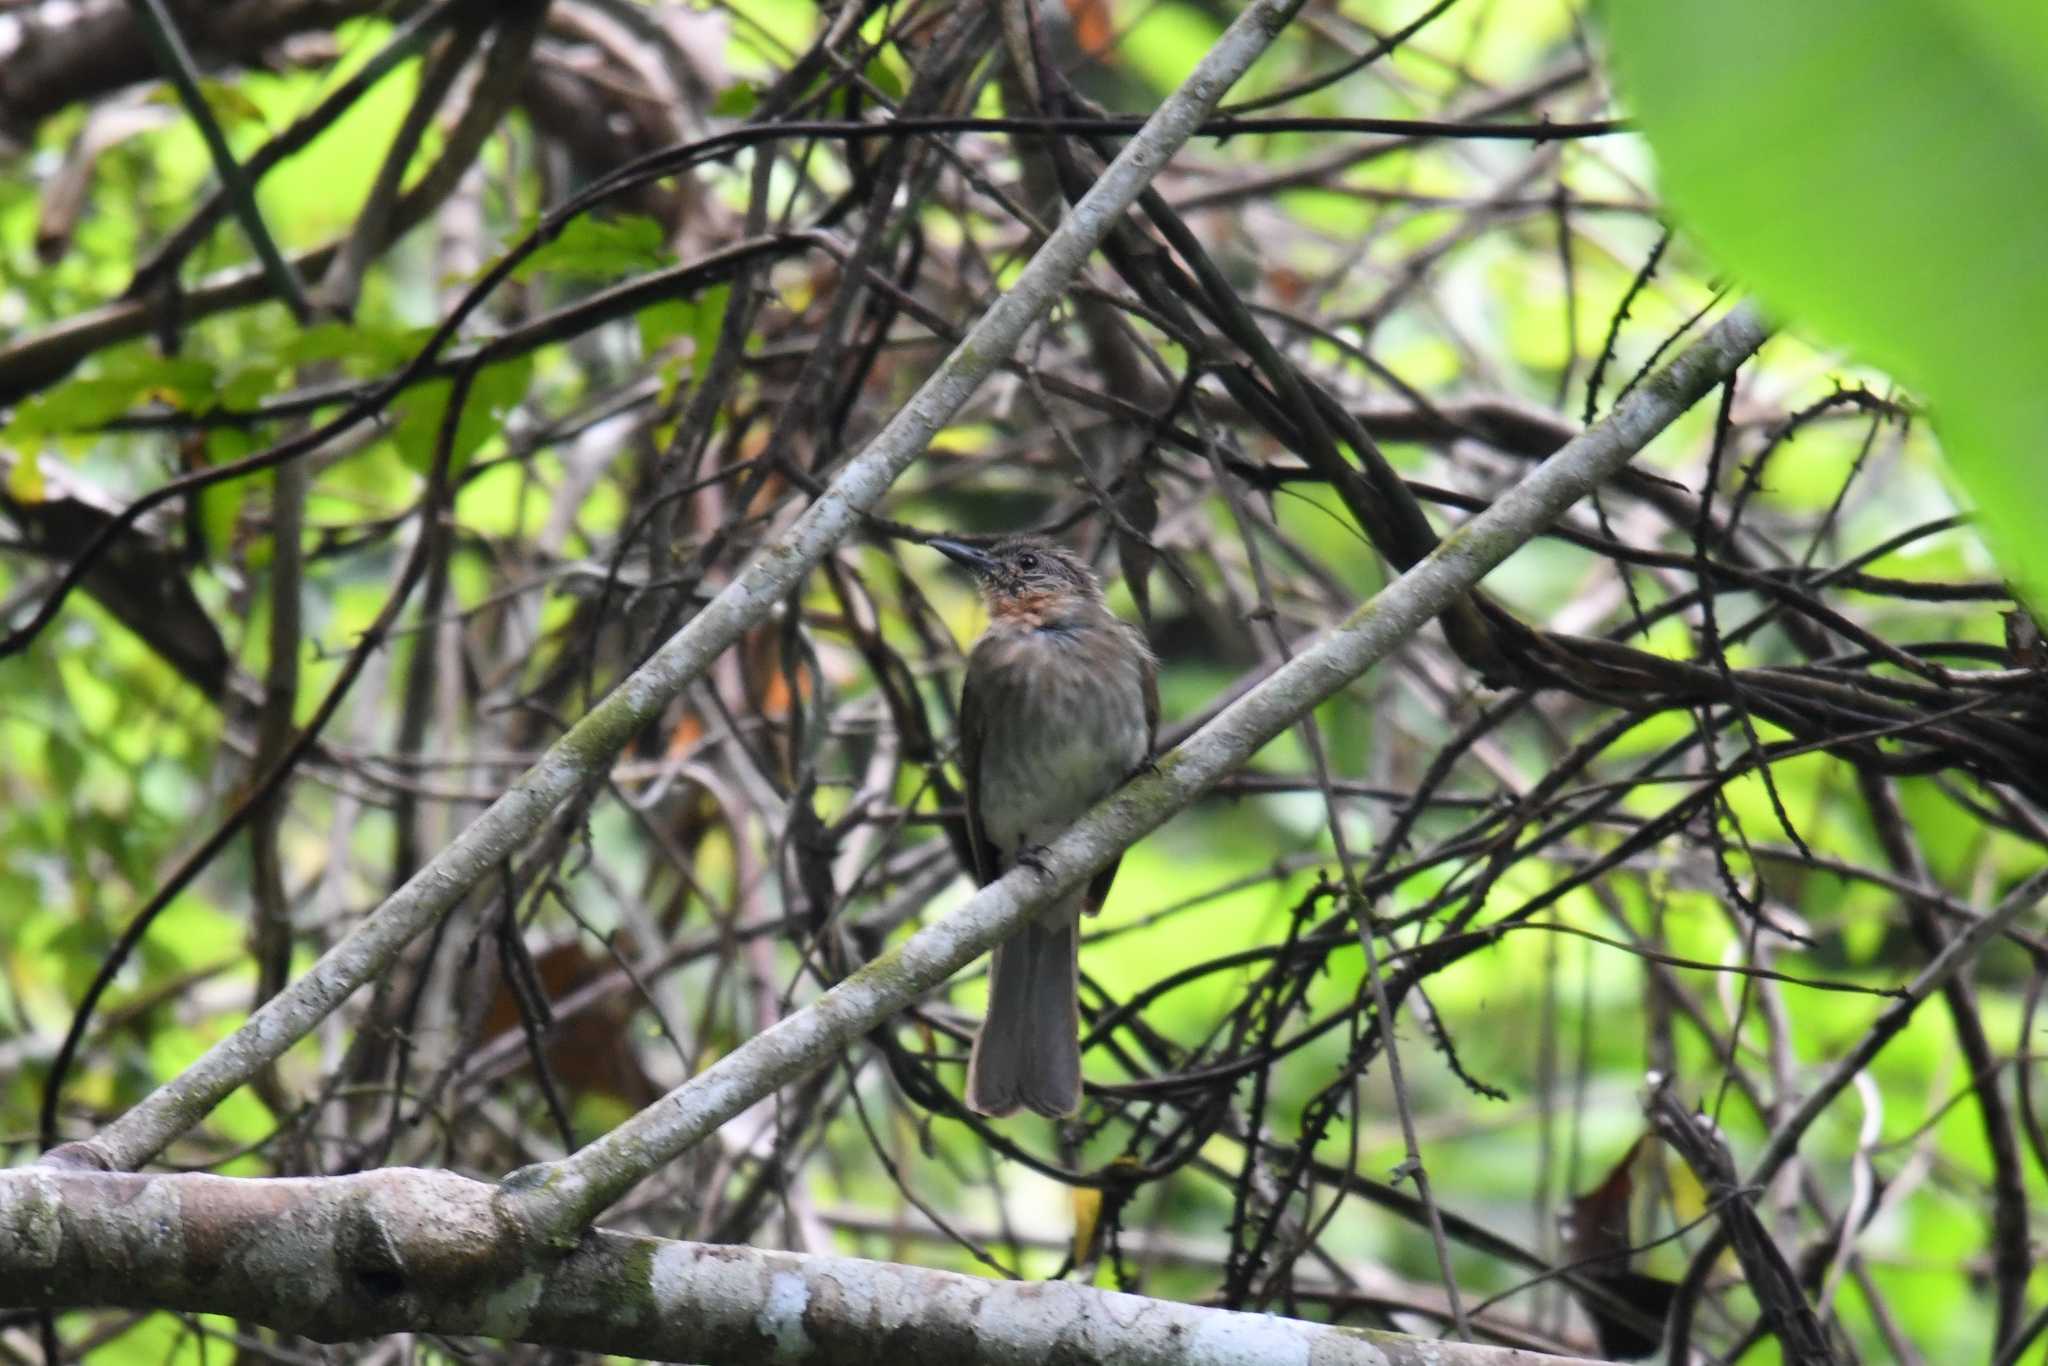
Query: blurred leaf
x: 419, y: 424
x: 699, y: 319
x: 672, y: 371
x: 710, y: 320
x: 496, y: 390
x: 73, y: 405
x: 592, y: 248
x: 25, y: 480
x: 66, y: 764
x: 318, y: 193
x: 361, y: 349
x: 1087, y: 1203
x: 248, y: 386
x: 736, y: 101
x: 662, y: 322
x: 1167, y: 41
x: 124, y: 379
x: 1878, y: 170
x: 882, y: 75
x: 230, y: 106
x: 220, y: 504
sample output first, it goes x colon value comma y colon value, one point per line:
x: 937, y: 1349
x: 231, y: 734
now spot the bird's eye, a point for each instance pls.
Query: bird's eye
x: 1027, y: 561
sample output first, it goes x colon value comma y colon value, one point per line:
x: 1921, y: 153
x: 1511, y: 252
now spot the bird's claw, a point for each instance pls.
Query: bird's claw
x: 1033, y: 856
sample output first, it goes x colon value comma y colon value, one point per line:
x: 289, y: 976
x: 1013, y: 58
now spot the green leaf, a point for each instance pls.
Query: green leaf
x: 180, y: 381
x: 494, y: 393
x: 502, y: 387
x: 736, y: 101
x: 711, y: 307
x: 230, y: 106
x: 361, y: 350
x: 1167, y: 41
x: 672, y: 371
x: 248, y: 386
x: 699, y: 319
x: 882, y: 75
x: 124, y: 380
x: 77, y: 404
x: 661, y: 323
x: 591, y: 248
x: 25, y: 480
x: 1877, y: 170
x: 220, y: 504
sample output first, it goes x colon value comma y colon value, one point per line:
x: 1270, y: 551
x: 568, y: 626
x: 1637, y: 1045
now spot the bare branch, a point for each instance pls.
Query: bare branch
x: 592, y: 743
x: 402, y: 1249
x: 569, y: 1194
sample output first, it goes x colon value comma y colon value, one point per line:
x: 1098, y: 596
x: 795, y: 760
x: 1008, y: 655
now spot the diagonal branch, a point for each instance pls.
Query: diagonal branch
x: 405, y: 1250
x: 162, y: 34
x: 592, y: 743
x: 560, y: 1198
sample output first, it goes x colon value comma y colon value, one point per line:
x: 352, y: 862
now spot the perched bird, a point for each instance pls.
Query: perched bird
x: 1060, y: 705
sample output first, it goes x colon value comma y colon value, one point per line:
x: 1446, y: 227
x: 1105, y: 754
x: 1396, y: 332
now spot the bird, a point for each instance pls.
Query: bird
x: 1059, y: 707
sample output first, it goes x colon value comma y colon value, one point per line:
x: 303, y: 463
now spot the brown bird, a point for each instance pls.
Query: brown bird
x: 1060, y: 705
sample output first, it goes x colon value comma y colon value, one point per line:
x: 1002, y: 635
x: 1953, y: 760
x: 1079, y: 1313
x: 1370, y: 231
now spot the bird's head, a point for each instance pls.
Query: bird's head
x: 1027, y: 580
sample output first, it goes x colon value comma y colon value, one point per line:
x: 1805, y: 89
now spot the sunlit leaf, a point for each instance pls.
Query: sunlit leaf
x: 25, y: 479
x: 1877, y: 170
x: 882, y: 75
x: 736, y: 101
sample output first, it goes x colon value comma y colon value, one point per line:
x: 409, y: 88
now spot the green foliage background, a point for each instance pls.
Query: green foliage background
x: 1871, y: 170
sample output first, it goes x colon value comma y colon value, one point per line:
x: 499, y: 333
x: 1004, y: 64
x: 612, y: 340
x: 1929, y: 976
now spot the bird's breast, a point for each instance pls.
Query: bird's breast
x: 1064, y: 724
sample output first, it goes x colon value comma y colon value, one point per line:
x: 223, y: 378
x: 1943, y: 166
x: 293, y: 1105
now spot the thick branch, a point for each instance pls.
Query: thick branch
x: 65, y: 56
x: 406, y: 1250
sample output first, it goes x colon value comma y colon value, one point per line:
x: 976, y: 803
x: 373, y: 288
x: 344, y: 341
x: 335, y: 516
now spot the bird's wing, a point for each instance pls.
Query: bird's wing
x: 1148, y: 674
x: 1148, y: 680
x: 973, y: 727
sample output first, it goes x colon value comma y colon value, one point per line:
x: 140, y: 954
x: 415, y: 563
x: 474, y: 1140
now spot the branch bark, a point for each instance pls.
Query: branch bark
x: 402, y: 1249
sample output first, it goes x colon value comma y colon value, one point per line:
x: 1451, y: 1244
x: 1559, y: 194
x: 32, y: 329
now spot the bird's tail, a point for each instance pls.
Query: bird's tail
x: 1028, y: 1053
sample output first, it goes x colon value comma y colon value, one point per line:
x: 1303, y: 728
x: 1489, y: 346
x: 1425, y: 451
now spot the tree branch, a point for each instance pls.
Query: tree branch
x: 407, y: 1250
x: 592, y: 743
x: 164, y: 40
x: 563, y: 1197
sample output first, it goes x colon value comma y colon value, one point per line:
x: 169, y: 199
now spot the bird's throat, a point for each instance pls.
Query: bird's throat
x: 1026, y: 611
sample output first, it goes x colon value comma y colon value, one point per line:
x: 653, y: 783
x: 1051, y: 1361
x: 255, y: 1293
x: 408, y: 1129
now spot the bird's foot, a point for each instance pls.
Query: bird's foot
x: 1033, y: 856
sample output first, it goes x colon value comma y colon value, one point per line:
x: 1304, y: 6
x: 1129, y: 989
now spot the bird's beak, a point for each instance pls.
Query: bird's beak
x: 977, y: 560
